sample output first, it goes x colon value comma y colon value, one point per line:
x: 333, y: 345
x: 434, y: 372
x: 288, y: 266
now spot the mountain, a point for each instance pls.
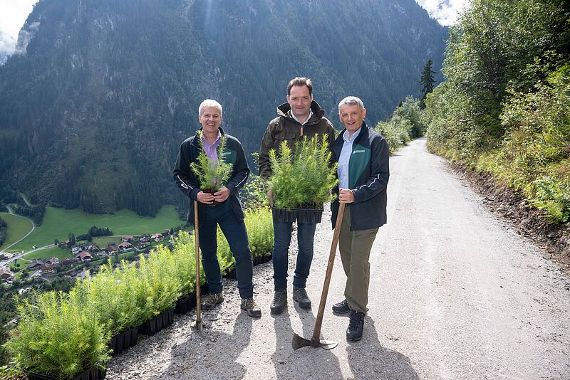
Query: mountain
x: 102, y: 92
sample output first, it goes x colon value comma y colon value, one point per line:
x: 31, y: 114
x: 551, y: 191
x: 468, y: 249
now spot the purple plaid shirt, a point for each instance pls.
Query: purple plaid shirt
x: 211, y: 150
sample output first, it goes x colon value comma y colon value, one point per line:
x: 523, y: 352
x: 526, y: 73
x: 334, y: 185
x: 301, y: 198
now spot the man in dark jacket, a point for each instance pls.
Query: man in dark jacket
x: 363, y: 172
x: 301, y: 116
x: 221, y: 208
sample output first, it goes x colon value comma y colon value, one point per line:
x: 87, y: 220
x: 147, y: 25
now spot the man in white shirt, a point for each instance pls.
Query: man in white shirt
x: 363, y: 171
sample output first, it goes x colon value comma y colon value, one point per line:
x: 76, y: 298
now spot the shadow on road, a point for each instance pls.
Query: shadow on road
x: 305, y: 362
x: 368, y: 359
x: 211, y: 354
x: 283, y: 335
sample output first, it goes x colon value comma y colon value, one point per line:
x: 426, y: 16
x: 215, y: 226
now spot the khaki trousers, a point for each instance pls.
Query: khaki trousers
x: 355, y: 249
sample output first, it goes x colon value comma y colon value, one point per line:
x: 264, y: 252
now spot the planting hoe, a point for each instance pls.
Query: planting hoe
x: 197, y: 255
x: 316, y: 340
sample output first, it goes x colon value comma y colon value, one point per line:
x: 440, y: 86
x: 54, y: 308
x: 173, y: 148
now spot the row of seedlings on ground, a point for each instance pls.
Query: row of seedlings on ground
x: 72, y: 335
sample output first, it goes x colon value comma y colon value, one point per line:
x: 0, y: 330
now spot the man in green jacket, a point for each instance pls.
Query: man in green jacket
x: 301, y: 116
x: 363, y: 171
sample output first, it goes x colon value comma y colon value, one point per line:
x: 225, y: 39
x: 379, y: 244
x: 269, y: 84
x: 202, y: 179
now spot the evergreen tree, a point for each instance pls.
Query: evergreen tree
x: 504, y: 104
x: 426, y: 81
x: 71, y: 238
x: 3, y: 231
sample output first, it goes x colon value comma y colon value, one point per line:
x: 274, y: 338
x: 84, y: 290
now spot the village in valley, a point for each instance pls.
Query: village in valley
x: 84, y: 257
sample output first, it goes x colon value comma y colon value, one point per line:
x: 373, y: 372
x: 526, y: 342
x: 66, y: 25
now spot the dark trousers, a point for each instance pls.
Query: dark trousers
x: 236, y: 235
x: 282, y: 239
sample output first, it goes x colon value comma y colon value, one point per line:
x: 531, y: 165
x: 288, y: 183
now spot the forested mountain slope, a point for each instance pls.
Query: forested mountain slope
x: 95, y: 105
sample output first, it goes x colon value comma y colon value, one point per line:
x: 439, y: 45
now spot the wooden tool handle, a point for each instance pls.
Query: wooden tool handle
x: 315, y: 341
x: 197, y: 255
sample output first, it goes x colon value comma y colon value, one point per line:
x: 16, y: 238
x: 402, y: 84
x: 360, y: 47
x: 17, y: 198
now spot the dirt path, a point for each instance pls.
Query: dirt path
x: 455, y: 294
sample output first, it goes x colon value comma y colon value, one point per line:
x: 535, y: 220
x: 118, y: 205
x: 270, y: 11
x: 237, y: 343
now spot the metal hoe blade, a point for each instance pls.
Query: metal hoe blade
x: 327, y: 344
x: 299, y: 342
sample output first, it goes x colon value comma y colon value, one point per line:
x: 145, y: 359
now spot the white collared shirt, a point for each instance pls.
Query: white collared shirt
x: 344, y: 158
x: 307, y: 119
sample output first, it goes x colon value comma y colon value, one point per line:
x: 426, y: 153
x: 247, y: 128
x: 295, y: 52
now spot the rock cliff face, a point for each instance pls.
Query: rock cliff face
x: 100, y: 93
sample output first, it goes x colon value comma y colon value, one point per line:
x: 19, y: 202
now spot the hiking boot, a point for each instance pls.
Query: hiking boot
x: 212, y: 300
x: 355, y: 326
x: 341, y: 308
x: 249, y: 305
x: 300, y: 295
x: 279, y: 302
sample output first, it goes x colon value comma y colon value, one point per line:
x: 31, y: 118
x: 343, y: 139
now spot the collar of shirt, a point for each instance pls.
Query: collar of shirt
x: 307, y: 119
x: 211, y: 150
x: 351, y: 138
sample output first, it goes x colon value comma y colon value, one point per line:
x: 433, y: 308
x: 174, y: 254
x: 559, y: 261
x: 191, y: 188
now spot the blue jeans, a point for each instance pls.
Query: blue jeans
x: 282, y: 237
x: 234, y: 231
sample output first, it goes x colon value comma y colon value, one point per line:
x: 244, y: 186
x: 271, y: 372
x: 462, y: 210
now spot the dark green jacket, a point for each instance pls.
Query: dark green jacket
x: 285, y: 128
x: 188, y: 183
x: 368, y: 177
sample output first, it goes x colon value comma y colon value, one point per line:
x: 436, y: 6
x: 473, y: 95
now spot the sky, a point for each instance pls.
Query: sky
x: 13, y: 14
x: 444, y: 11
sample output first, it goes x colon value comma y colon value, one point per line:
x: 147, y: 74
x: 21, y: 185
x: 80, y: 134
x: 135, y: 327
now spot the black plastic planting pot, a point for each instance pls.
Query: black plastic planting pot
x: 307, y: 213
x: 261, y: 259
x: 89, y: 374
x: 155, y: 324
x: 231, y: 274
x: 124, y: 340
x: 185, y: 304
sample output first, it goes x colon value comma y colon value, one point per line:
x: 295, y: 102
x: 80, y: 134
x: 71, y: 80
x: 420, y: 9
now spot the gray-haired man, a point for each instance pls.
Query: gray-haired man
x: 219, y: 209
x: 363, y: 171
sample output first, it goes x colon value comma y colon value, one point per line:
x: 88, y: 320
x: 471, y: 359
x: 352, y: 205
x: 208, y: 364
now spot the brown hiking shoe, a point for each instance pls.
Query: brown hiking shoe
x: 212, y: 300
x: 300, y: 296
x: 249, y: 305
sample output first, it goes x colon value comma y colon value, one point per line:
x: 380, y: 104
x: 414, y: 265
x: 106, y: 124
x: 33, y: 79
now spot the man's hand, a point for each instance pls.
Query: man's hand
x: 222, y: 194
x: 205, y: 198
x: 345, y: 196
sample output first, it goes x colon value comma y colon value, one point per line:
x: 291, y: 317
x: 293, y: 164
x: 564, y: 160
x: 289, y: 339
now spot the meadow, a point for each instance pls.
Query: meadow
x: 18, y: 227
x: 59, y: 223
x: 48, y: 253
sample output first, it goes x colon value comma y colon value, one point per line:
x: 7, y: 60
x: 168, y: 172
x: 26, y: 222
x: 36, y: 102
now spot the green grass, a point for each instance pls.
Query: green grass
x: 102, y: 241
x: 18, y: 227
x: 48, y: 253
x: 58, y: 223
x: 23, y: 264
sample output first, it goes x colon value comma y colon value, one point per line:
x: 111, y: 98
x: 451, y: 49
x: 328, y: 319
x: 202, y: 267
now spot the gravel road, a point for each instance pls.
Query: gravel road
x: 455, y: 293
